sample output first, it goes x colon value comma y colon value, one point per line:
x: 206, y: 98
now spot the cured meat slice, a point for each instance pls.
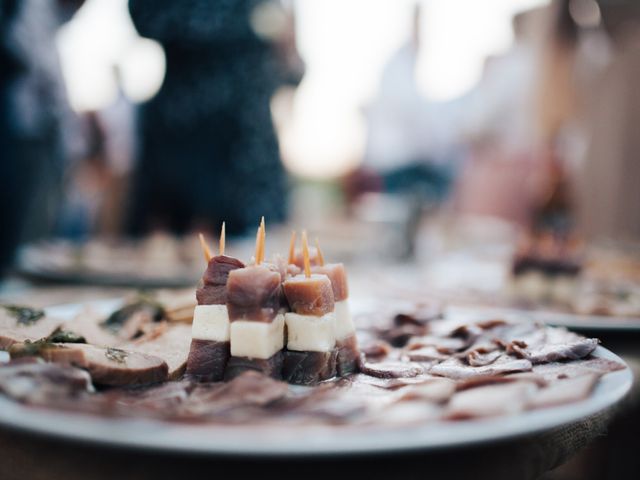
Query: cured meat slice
x: 271, y: 367
x: 172, y: 346
x: 34, y: 381
x: 338, y: 277
x: 212, y: 289
x: 253, y: 293
x: 555, y: 352
x: 392, y: 369
x: 310, y: 295
x: 454, y: 368
x: 308, y: 368
x: 107, y: 366
x: 490, y: 400
x: 19, y: 324
x: 565, y: 391
x: 207, y: 360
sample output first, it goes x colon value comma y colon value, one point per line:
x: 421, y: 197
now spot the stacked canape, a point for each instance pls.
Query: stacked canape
x: 210, y: 334
x: 271, y: 318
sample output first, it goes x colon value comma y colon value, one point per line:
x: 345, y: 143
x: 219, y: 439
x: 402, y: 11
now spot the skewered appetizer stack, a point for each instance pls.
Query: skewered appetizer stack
x: 546, y: 268
x: 287, y: 321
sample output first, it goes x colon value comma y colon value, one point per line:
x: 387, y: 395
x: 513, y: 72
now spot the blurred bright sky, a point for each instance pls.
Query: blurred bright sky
x: 345, y: 44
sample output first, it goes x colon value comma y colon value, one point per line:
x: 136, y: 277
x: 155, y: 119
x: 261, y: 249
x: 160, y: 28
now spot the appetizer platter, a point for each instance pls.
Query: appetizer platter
x: 154, y: 262
x: 278, y: 349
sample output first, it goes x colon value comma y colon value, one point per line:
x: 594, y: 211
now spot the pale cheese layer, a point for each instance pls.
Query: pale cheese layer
x: 344, y: 323
x: 257, y: 339
x: 306, y: 333
x: 210, y: 322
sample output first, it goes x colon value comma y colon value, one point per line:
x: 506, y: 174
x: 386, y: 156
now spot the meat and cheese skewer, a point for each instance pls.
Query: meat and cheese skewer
x: 257, y: 325
x: 310, y: 355
x: 348, y: 354
x: 210, y: 331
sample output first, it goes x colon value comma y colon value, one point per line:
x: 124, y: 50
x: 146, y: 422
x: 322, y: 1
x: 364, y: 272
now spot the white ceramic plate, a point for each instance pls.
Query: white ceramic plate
x: 312, y: 440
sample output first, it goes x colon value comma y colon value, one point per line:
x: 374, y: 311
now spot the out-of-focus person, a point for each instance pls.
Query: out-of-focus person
x: 208, y: 150
x: 498, y: 125
x: 38, y: 132
x: 409, y: 138
x: 609, y: 195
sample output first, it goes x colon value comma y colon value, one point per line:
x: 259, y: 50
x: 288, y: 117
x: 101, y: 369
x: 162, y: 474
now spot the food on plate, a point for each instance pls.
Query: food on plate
x: 546, y: 268
x: 262, y: 329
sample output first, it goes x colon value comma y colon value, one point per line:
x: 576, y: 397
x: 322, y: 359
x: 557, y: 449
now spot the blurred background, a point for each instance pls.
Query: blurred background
x: 362, y: 121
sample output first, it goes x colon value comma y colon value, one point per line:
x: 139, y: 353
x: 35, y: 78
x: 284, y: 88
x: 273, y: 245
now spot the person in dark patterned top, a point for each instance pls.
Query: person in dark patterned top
x: 209, y: 150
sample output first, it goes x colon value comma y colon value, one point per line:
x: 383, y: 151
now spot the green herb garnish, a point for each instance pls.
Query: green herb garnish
x: 144, y: 301
x: 116, y: 355
x: 24, y: 315
x: 65, y: 336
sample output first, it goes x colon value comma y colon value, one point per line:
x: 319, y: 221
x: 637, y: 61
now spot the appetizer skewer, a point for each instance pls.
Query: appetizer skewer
x: 348, y: 354
x: 310, y: 356
x: 210, y: 333
x: 257, y: 325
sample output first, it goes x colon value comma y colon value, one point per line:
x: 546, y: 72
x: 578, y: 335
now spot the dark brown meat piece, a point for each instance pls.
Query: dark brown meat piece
x: 338, y: 277
x: 310, y: 296
x: 253, y: 293
x: 108, y: 366
x: 308, y: 368
x: 213, y: 286
x: 207, y: 360
x: 272, y: 367
x: 348, y: 356
x: 392, y: 369
x: 420, y: 317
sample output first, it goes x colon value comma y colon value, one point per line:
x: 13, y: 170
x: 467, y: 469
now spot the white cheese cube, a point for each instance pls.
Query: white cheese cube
x: 257, y: 339
x: 306, y: 333
x: 344, y: 323
x: 210, y: 322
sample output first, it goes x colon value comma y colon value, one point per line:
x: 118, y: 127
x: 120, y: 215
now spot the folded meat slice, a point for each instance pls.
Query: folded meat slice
x: 212, y: 289
x: 33, y: 381
x: 172, y: 346
x: 555, y: 352
x: 107, y: 366
x: 565, y: 391
x: 16, y: 327
x: 490, y: 400
x: 458, y: 370
x: 392, y: 369
x: 253, y: 293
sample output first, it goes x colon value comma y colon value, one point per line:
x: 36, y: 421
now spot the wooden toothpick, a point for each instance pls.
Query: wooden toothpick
x: 305, y: 255
x: 263, y: 238
x: 222, y: 240
x: 320, y: 257
x: 292, y: 248
x: 258, y: 238
x: 205, y: 248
